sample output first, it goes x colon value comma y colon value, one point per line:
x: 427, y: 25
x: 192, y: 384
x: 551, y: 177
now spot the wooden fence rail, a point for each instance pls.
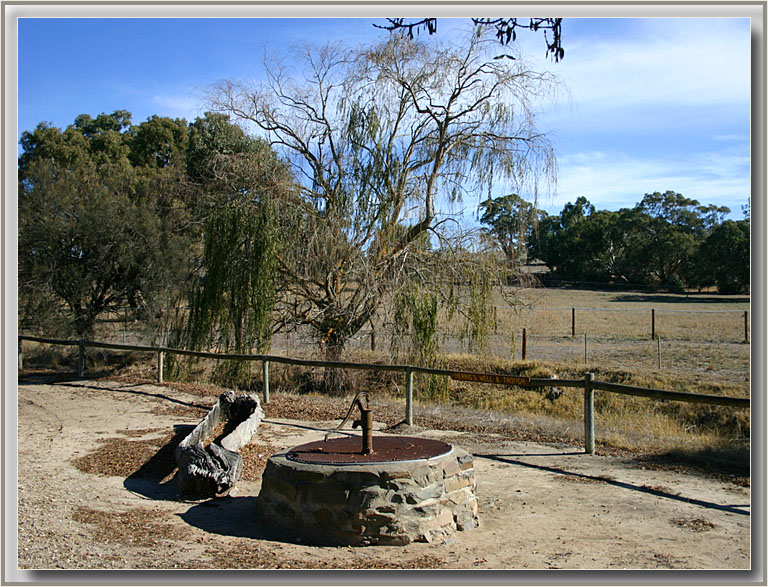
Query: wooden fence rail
x: 588, y: 383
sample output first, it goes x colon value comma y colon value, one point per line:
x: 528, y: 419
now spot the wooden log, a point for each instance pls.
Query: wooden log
x: 265, y: 381
x: 746, y: 326
x: 210, y: 471
x: 525, y: 345
x: 409, y: 397
x: 675, y: 396
x: 160, y: 366
x: 80, y: 360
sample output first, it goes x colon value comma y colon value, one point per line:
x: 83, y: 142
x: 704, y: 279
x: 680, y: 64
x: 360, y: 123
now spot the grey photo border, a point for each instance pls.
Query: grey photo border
x: 12, y: 10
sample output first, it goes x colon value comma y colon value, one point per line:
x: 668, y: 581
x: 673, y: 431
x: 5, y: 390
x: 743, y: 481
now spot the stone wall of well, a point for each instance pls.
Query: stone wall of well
x: 373, y: 503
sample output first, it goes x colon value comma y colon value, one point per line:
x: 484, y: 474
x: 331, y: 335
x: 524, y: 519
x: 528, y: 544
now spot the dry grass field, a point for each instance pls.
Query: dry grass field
x: 694, y: 317
x: 702, y: 335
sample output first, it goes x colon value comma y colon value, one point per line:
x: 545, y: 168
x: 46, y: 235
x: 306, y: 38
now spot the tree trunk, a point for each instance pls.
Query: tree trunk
x: 335, y: 381
x: 84, y: 321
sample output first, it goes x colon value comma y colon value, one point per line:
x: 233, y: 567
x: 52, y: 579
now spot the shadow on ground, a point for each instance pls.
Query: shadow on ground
x: 739, y: 509
x: 132, y: 388
x: 156, y: 478
x: 229, y: 516
x: 727, y: 463
x: 44, y: 377
x: 682, y: 299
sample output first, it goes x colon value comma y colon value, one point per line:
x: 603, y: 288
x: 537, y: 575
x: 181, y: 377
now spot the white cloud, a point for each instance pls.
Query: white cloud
x: 185, y: 106
x: 657, y: 104
x: 612, y: 180
x: 643, y: 75
x: 665, y: 61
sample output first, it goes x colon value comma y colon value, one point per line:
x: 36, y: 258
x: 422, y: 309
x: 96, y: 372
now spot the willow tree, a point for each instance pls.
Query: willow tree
x: 233, y: 287
x: 382, y: 140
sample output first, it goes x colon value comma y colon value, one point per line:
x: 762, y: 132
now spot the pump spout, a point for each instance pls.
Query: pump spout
x: 366, y: 423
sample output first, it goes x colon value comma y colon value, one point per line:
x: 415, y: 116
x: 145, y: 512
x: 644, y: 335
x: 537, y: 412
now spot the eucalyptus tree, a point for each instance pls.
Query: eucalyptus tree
x: 84, y: 239
x: 671, y: 227
x: 665, y: 239
x: 105, y: 221
x: 723, y: 258
x: 559, y: 240
x: 382, y: 140
x: 510, y: 220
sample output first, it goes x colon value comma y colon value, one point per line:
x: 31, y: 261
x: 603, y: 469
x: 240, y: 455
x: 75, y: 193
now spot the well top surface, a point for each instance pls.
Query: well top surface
x: 347, y: 450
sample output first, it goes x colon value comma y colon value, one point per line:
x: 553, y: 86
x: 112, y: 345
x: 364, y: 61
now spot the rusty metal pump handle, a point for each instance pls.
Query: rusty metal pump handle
x: 356, y: 401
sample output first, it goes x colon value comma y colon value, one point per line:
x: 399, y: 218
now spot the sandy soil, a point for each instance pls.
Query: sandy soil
x: 541, y: 506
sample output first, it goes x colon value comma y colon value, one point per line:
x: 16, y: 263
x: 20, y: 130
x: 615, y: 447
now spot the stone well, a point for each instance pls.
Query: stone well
x: 410, y: 489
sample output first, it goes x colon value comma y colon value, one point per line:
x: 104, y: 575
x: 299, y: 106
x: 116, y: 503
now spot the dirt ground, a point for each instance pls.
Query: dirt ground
x: 541, y: 506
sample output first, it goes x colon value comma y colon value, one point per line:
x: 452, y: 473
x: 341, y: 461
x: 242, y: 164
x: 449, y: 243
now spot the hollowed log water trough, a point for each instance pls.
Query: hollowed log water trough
x: 212, y: 470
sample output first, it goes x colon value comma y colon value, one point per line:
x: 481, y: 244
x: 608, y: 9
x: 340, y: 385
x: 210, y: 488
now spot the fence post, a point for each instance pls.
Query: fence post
x: 658, y: 350
x: 21, y: 357
x: 265, y: 380
x: 653, y: 324
x: 746, y: 328
x: 589, y: 414
x: 160, y: 355
x: 525, y: 344
x: 409, y: 397
x: 573, y: 321
x: 80, y: 359
x: 585, y: 348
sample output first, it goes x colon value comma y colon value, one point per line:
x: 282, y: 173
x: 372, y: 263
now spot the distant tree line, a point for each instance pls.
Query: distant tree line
x: 666, y: 239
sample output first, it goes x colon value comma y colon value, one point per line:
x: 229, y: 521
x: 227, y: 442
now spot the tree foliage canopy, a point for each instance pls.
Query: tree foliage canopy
x: 88, y: 234
x: 240, y: 181
x: 510, y: 220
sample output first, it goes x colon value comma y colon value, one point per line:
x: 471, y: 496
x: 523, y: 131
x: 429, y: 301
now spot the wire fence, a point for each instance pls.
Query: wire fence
x: 630, y: 323
x: 701, y: 341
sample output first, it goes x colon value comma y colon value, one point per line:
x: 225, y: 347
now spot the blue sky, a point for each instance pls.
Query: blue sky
x: 653, y: 104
